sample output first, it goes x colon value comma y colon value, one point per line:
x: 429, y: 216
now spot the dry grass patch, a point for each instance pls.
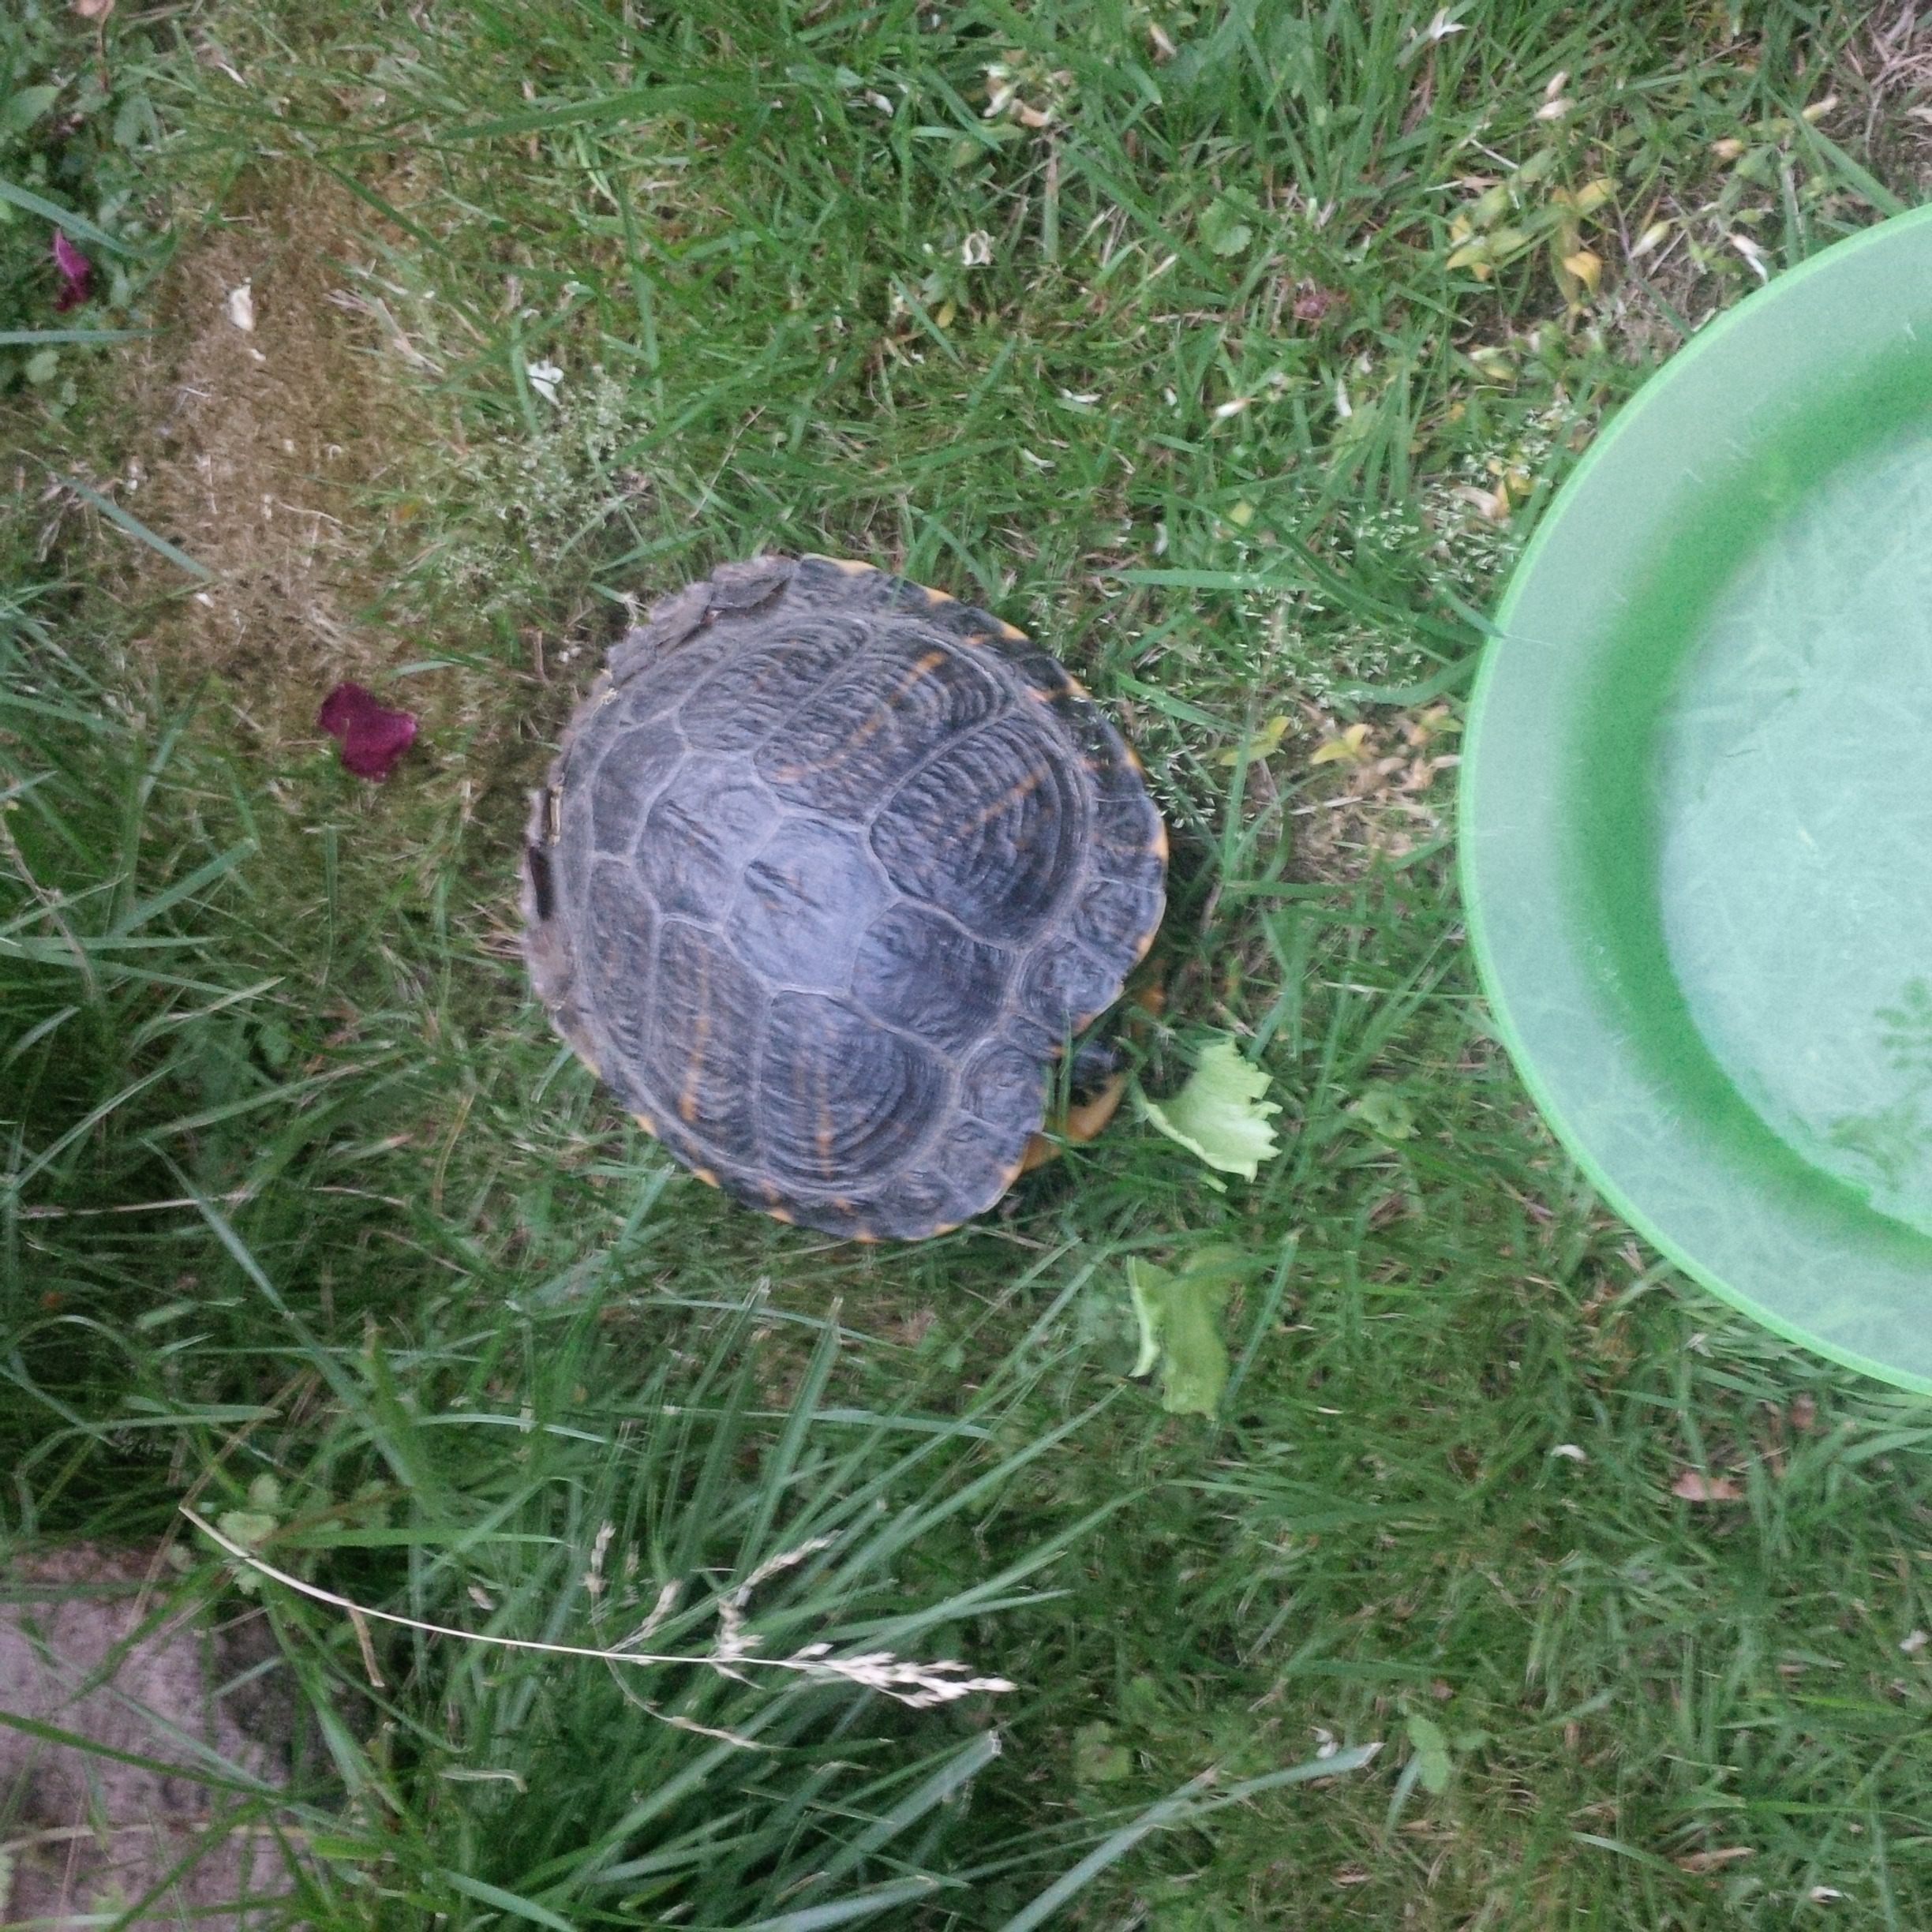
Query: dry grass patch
x: 1885, y: 82
x: 268, y: 430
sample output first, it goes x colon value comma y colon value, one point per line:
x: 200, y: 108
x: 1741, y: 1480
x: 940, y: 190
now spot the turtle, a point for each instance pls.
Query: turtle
x: 829, y: 869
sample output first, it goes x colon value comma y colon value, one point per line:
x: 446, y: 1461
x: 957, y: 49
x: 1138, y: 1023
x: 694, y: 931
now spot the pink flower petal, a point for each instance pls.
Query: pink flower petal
x: 339, y: 706
x: 75, y: 270
x: 373, y: 737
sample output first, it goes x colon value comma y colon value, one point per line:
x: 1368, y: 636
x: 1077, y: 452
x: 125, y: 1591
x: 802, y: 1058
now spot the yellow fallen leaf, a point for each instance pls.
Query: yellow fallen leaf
x: 1587, y: 267
x: 1424, y: 725
x: 1353, y: 746
x: 1260, y: 743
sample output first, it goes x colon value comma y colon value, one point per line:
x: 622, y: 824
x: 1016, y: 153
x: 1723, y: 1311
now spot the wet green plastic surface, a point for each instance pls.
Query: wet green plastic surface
x: 1696, y: 807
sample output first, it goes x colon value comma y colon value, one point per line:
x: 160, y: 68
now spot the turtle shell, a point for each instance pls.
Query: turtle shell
x: 829, y: 869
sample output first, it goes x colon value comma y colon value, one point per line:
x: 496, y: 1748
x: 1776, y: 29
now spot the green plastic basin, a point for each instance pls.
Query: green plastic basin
x: 1696, y: 807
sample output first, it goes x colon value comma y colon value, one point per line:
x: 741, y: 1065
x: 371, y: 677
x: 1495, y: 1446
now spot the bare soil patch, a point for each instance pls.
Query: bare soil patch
x: 91, y: 1644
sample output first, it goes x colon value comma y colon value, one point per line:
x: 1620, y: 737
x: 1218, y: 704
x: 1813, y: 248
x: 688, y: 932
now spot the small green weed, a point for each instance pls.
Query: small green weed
x: 75, y: 139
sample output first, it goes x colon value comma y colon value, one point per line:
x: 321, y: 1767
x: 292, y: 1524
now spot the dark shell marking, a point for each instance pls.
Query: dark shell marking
x: 829, y: 870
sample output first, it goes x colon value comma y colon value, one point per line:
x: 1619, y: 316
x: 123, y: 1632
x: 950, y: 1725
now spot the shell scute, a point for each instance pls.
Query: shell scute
x: 840, y: 1094
x: 697, y: 1062
x: 877, y: 724
x: 646, y: 681
x: 916, y: 968
x: 1132, y: 906
x: 622, y: 950
x: 629, y: 777
x: 1045, y: 678
x: 1064, y: 988
x: 975, y: 1162
x: 967, y: 623
x: 1004, y: 1082
x: 803, y: 908
x: 991, y: 829
x: 740, y: 588
x: 1126, y: 826
x: 695, y: 840
x: 749, y: 696
x: 671, y: 621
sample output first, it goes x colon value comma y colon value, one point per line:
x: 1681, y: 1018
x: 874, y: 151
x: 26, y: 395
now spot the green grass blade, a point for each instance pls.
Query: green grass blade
x: 39, y: 338
x: 496, y: 1897
x: 125, y: 520
x: 965, y: 1765
x: 78, y: 226
x: 204, y: 876
x: 1169, y: 1811
x: 849, y: 1911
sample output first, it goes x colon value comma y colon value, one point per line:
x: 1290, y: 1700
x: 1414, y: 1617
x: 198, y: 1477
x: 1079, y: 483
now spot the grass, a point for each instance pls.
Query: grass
x: 1181, y: 379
